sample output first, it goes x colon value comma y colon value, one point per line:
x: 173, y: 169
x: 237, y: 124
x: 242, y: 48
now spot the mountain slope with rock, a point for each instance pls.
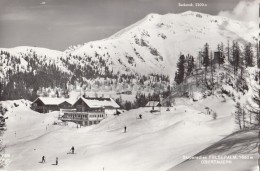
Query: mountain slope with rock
x: 152, y: 45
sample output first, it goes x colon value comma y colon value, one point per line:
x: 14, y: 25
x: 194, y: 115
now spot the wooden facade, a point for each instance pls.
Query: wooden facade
x: 42, y: 105
x: 65, y: 105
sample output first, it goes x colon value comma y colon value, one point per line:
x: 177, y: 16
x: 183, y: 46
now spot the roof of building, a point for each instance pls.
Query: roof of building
x: 152, y: 103
x: 52, y: 101
x: 100, y: 102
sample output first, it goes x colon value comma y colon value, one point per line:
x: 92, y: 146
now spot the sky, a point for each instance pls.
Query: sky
x: 57, y: 24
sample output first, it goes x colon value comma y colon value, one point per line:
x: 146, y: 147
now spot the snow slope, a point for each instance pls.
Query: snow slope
x: 157, y: 142
x: 44, y: 57
x: 157, y: 40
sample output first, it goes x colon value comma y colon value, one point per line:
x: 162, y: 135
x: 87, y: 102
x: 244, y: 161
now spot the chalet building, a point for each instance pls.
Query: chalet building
x: 84, y: 104
x: 47, y: 104
x: 89, y: 111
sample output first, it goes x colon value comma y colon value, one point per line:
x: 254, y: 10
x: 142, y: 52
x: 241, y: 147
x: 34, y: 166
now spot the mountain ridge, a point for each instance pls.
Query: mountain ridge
x: 153, y: 44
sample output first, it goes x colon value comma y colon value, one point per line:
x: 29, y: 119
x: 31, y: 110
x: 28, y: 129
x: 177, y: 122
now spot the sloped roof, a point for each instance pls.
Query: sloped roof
x: 100, y: 102
x: 152, y: 103
x: 52, y: 101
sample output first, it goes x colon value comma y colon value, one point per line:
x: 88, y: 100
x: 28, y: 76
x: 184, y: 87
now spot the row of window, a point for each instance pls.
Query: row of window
x: 96, y: 116
x: 84, y: 116
x: 76, y: 116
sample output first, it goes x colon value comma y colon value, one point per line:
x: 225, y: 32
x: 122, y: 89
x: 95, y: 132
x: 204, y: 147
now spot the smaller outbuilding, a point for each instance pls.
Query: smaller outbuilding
x: 153, y: 104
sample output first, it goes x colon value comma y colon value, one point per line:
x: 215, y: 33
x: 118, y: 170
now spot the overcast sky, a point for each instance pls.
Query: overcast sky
x: 57, y: 24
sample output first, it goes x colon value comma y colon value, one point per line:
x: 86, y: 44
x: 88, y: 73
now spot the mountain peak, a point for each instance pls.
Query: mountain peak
x: 153, y: 44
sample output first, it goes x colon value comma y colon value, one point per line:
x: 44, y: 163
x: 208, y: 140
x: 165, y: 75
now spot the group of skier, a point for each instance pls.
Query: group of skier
x: 57, y: 159
x: 73, y: 149
x: 140, y: 117
x: 43, y: 160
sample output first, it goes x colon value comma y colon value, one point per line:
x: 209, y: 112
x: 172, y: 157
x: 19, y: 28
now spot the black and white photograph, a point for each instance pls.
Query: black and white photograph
x: 129, y: 85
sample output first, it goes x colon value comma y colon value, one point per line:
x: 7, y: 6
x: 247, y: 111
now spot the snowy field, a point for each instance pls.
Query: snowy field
x: 157, y: 142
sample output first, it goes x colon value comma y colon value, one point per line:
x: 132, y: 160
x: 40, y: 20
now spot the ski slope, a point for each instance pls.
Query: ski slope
x: 156, y: 142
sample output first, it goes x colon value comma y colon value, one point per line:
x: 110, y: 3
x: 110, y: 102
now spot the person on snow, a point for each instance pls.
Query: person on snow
x: 43, y: 159
x: 57, y: 162
x: 72, y: 149
x: 125, y: 129
x: 140, y: 116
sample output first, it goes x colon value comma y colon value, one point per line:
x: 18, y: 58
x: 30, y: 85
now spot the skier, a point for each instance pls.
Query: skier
x: 56, y: 160
x: 125, y: 129
x: 43, y: 159
x: 72, y: 149
x: 140, y: 116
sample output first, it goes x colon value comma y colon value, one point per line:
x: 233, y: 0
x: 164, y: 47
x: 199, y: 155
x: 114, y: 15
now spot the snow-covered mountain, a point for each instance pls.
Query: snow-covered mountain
x: 152, y: 45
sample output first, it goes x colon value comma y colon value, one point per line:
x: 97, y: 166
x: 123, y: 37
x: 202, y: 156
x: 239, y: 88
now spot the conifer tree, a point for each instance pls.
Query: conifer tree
x: 190, y: 64
x: 179, y: 75
x: 205, y: 56
x: 236, y: 56
x: 255, y: 107
x: 248, y: 55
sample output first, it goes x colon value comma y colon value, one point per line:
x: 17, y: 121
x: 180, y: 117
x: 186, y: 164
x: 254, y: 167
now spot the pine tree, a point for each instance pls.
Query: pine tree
x: 228, y: 52
x: 248, y: 55
x: 219, y: 51
x: 221, y: 58
x: 212, y: 69
x: 244, y: 117
x: 191, y: 65
x: 255, y: 107
x: 1, y: 89
x: 236, y: 56
x: 205, y: 56
x: 179, y: 75
x: 257, y: 55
